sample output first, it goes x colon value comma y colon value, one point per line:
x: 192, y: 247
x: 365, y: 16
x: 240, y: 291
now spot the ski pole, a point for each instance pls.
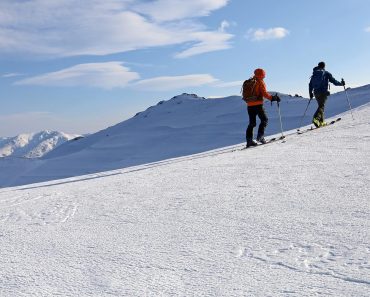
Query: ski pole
x: 281, y: 123
x: 349, y: 103
x: 300, y: 123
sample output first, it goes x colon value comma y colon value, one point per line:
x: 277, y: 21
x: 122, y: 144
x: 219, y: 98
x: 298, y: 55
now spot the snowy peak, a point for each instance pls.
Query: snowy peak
x: 186, y: 96
x: 176, y: 100
x: 33, y: 145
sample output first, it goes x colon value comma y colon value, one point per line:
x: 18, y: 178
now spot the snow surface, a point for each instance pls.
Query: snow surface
x: 32, y: 145
x: 184, y: 125
x: 284, y: 219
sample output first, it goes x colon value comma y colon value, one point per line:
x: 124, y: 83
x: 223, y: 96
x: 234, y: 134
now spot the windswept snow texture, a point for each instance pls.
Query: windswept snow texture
x: 33, y: 145
x: 183, y: 125
x: 284, y: 219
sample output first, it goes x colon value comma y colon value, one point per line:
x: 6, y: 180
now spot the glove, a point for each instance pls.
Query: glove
x: 343, y: 82
x: 275, y: 98
x: 311, y: 95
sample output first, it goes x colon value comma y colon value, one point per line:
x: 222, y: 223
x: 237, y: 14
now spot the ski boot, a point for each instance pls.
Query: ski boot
x: 251, y: 143
x: 316, y: 122
x: 261, y: 139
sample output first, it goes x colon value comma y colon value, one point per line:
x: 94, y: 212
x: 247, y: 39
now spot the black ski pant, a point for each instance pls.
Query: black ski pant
x: 253, y: 112
x: 321, y: 100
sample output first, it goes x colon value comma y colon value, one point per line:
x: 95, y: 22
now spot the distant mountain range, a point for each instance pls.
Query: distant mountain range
x: 33, y: 145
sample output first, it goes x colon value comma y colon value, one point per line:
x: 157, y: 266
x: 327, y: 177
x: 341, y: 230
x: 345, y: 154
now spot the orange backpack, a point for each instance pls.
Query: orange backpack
x: 248, y: 89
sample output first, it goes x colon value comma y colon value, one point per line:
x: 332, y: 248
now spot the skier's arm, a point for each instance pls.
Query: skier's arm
x: 333, y: 80
x: 310, y: 89
x: 263, y: 92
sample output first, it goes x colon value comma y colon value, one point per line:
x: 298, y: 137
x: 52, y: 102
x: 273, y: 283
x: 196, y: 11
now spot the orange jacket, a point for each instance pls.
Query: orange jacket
x: 259, y: 91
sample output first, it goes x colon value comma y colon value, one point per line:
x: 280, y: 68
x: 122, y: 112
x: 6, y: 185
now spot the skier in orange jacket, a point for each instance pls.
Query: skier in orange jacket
x: 255, y: 107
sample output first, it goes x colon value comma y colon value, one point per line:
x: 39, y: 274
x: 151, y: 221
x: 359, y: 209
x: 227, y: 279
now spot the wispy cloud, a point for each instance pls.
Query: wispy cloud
x: 8, y: 75
x: 111, y: 75
x: 224, y: 25
x: 169, y: 10
x: 94, y: 27
x: 103, y: 75
x: 367, y: 29
x: 266, y: 34
x: 230, y: 84
x: 166, y: 83
x: 208, y: 42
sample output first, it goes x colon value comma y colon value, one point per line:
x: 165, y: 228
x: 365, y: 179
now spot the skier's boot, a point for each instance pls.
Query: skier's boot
x: 251, y: 142
x: 323, y: 124
x: 316, y: 122
x: 261, y: 139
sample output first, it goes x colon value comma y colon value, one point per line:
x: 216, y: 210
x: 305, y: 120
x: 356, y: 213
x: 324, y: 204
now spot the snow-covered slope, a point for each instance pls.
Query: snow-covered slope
x: 183, y: 125
x: 32, y: 145
x: 285, y: 219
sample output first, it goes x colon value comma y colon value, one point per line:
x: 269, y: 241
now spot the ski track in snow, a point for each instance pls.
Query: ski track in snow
x: 27, y: 208
x: 315, y: 259
x: 285, y: 219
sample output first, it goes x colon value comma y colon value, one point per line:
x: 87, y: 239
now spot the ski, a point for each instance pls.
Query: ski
x: 271, y: 140
x: 315, y: 128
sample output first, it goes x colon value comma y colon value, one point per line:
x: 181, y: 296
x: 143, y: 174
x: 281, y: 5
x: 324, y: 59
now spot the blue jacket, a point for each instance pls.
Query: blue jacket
x: 326, y: 78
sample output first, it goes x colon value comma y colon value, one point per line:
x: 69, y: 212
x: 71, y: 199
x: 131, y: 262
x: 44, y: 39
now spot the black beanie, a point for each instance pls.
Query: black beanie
x: 321, y: 65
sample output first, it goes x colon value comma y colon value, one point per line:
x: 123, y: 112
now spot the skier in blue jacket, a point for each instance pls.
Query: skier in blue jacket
x: 319, y: 87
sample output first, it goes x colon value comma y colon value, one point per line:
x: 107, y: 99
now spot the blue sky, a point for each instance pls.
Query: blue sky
x: 80, y: 66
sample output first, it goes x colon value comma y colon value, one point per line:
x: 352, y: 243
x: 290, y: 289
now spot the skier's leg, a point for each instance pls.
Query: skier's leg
x: 264, y: 121
x: 252, y: 112
x: 318, y: 117
x: 322, y: 108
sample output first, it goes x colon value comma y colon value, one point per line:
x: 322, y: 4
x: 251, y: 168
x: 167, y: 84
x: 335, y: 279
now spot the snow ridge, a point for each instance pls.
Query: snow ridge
x: 183, y: 125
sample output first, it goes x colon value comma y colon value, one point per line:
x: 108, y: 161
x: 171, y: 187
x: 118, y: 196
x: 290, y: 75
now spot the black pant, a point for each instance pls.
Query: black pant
x: 253, y: 112
x: 321, y: 100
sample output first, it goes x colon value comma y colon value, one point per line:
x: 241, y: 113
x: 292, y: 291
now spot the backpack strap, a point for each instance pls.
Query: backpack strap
x: 252, y: 99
